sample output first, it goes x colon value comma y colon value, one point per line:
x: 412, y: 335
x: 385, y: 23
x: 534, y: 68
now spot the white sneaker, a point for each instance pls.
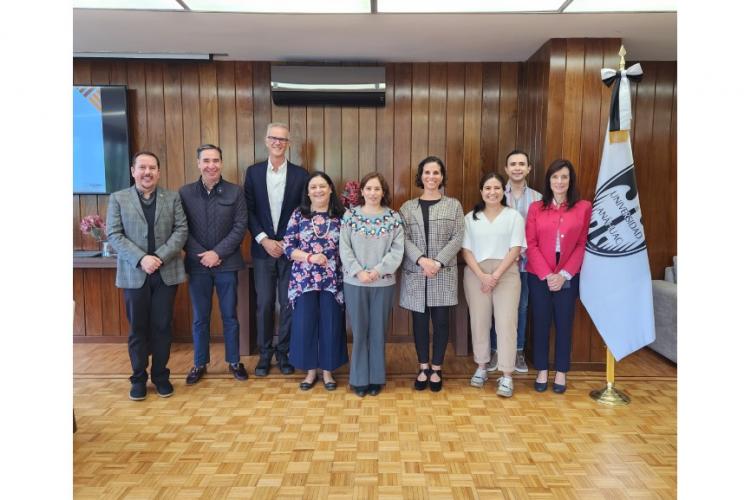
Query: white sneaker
x: 504, y: 387
x: 492, y: 365
x: 479, y: 378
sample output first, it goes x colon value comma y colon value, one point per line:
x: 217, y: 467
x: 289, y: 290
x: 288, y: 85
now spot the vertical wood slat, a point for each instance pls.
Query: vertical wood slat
x: 340, y: 128
x: 175, y: 149
x: 261, y: 106
x: 298, y: 131
x: 155, y: 106
x: 402, y: 178
x: 191, y: 112
x: 209, y: 106
x: 454, y: 129
x: 110, y: 303
x: 245, y: 131
x: 79, y: 311
x: 489, y: 132
x: 227, y: 107
x: 437, y: 110
x: 348, y: 127
x: 367, y: 136
x: 419, y: 118
x: 384, y: 133
x: 508, y: 120
x: 93, y: 301
x: 472, y: 128
x: 315, y: 138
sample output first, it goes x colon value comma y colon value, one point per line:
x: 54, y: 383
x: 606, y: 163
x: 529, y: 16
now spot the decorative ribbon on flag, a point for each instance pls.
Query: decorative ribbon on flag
x: 619, y: 113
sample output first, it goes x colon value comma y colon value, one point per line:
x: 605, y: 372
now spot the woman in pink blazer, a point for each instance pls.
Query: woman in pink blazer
x: 556, y: 232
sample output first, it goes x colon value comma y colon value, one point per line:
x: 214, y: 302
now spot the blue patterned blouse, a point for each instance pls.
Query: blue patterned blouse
x: 318, y: 234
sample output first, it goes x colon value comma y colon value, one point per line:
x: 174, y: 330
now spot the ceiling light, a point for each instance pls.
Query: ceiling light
x: 622, y: 6
x: 128, y: 4
x: 282, y: 6
x: 468, y: 6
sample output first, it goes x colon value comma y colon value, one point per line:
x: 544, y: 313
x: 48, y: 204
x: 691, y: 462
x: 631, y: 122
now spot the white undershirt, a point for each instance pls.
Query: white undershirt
x: 275, y: 185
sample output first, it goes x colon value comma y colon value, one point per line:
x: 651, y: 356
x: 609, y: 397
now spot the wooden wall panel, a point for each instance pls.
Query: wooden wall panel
x: 420, y: 104
x: 472, y: 133
x: 508, y: 119
x: 454, y: 129
x: 227, y: 103
x: 469, y: 114
x: 489, y: 132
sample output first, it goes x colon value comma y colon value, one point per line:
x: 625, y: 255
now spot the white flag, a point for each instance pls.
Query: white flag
x: 615, y: 278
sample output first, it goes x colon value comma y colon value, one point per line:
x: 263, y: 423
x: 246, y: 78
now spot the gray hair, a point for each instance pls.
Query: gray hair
x: 277, y: 124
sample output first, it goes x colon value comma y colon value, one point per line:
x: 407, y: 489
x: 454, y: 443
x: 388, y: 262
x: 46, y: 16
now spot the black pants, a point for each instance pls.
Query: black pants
x: 271, y: 278
x: 149, y: 310
x: 421, y: 327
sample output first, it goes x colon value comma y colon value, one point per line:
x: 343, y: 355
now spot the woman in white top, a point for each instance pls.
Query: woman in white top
x: 493, y: 240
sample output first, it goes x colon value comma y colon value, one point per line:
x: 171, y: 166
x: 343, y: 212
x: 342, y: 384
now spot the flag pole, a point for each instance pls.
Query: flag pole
x: 609, y: 395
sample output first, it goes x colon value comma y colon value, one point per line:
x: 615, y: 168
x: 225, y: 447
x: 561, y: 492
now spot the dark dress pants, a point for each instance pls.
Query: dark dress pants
x: 271, y: 277
x: 546, y: 307
x: 149, y: 311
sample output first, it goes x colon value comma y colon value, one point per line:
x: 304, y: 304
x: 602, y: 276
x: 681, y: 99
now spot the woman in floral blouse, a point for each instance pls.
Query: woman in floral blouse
x: 318, y: 338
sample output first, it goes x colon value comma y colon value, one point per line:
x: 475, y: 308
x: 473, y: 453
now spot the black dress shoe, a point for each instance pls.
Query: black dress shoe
x: 374, y: 389
x: 437, y: 386
x: 261, y: 369
x: 421, y: 385
x: 238, y: 370
x: 540, y: 386
x: 360, y: 390
x: 195, y: 374
x: 558, y: 388
x: 330, y: 386
x: 284, y: 365
x: 306, y: 386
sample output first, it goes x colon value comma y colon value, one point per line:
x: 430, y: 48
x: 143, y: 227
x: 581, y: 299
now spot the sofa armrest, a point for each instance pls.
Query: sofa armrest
x: 665, y: 319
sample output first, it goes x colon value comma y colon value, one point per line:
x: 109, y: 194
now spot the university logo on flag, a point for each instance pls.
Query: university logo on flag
x: 616, y: 229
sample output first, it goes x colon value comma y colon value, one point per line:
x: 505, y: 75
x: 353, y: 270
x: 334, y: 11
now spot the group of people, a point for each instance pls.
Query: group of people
x: 320, y: 261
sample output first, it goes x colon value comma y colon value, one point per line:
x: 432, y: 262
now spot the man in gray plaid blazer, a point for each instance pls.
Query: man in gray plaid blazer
x: 147, y: 227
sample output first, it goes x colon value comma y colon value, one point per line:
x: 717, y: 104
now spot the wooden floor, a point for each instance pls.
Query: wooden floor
x: 266, y: 439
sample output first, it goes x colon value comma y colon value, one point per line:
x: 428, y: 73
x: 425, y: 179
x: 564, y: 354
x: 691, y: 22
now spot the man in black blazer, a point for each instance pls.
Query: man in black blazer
x: 273, y: 189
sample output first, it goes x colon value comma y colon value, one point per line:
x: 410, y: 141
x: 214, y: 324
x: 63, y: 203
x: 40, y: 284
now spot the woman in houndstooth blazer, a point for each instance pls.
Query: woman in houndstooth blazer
x: 434, y: 231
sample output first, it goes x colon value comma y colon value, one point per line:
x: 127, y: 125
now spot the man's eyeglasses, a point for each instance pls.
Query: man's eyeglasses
x: 282, y: 140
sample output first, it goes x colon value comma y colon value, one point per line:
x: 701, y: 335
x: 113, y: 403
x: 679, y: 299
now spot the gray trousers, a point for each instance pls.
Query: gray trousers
x: 369, y: 309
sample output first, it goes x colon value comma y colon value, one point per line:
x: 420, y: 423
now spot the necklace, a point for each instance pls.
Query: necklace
x: 315, y: 227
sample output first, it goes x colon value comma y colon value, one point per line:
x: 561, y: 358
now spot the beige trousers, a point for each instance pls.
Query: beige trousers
x: 502, y: 302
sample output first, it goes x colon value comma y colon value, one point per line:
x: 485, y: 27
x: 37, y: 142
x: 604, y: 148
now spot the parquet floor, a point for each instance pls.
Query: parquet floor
x: 266, y: 439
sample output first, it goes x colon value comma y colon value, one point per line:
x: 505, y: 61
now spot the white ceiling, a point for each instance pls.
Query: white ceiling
x: 366, y: 37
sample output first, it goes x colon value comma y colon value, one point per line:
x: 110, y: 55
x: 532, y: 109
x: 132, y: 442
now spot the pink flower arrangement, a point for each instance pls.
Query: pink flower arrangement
x: 350, y: 194
x: 94, y: 225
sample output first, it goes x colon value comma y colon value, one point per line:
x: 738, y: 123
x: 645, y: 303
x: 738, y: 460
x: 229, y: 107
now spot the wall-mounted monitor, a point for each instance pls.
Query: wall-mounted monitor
x: 101, y: 148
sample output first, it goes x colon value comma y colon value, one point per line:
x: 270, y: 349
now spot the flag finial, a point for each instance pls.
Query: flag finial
x: 622, y: 57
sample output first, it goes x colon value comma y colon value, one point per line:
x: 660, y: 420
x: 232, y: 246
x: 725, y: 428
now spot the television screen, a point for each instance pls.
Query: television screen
x: 101, y: 149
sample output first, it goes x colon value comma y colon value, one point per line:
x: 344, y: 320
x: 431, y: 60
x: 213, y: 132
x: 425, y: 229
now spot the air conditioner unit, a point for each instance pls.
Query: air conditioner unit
x: 320, y: 85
